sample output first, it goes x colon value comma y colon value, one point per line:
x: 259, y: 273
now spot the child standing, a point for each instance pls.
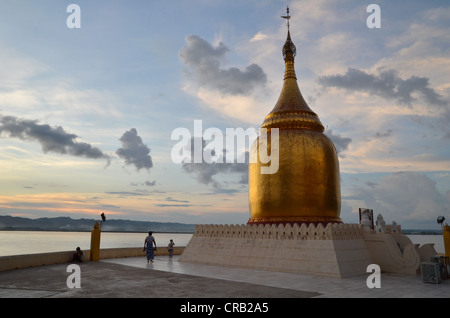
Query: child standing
x: 170, y: 248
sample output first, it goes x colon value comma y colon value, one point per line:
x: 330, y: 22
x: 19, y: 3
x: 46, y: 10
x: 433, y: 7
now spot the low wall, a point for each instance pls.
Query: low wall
x: 31, y: 260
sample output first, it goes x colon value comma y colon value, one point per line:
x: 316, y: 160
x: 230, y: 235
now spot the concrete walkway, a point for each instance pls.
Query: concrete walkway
x: 165, y: 278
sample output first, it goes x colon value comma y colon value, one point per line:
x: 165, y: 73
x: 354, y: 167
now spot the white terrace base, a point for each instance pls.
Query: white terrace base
x: 337, y: 250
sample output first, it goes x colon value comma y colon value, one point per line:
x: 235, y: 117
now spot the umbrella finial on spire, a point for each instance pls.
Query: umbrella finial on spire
x: 287, y: 17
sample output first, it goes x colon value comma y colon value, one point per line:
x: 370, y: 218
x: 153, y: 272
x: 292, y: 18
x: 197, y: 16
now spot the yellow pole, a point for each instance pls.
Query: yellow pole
x: 446, y: 234
x: 95, y: 243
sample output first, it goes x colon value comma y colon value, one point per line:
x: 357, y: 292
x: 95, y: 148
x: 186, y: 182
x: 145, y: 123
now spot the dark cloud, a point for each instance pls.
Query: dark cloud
x: 381, y: 135
x: 387, y: 85
x: 204, y: 62
x: 341, y: 143
x: 219, y: 190
x: 170, y: 199
x: 371, y: 184
x: 163, y: 205
x: 178, y: 203
x: 205, y: 171
x: 127, y: 193
x: 133, y: 150
x: 52, y: 139
x: 146, y: 183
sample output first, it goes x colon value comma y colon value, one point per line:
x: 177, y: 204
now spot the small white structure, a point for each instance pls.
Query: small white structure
x: 381, y: 224
x: 337, y: 250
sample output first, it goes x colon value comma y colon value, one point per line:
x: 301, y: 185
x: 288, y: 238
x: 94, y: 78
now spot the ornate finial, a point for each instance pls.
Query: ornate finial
x: 287, y: 16
x: 289, y: 49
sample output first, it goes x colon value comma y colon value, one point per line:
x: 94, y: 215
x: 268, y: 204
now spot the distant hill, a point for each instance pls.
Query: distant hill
x: 12, y: 223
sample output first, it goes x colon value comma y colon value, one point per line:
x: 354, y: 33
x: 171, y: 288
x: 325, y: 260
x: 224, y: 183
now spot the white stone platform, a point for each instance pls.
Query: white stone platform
x: 337, y: 250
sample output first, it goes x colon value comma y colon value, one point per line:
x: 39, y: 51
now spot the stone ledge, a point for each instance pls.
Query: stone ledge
x: 31, y: 260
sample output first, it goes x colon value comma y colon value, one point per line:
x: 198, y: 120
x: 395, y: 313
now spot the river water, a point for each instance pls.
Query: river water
x: 30, y: 242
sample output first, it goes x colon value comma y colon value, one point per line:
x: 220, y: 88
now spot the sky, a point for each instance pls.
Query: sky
x: 90, y: 98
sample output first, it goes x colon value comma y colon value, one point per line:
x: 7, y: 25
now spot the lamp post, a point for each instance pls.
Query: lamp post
x: 440, y: 220
x: 103, y: 219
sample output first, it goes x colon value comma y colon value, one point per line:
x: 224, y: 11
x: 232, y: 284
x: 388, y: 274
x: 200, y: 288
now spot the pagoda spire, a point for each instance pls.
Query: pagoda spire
x: 289, y: 49
x: 291, y: 110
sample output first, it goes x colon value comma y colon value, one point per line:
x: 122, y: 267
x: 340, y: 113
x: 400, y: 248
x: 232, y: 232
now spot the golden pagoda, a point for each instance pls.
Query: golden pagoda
x: 306, y: 187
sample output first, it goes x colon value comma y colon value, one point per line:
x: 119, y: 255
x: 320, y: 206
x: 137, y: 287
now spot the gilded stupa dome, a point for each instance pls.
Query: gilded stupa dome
x: 306, y: 186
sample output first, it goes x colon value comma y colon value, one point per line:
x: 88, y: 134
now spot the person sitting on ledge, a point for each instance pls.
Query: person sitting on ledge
x: 78, y: 255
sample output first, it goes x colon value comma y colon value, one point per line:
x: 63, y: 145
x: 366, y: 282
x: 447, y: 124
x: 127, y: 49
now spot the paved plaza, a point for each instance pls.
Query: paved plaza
x: 165, y: 278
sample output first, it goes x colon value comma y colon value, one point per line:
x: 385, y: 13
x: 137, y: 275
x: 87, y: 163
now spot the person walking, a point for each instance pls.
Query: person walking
x: 170, y: 248
x: 148, y: 247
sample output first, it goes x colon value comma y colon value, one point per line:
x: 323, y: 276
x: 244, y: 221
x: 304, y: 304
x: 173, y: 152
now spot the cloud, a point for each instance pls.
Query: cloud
x: 259, y: 37
x: 387, y: 85
x: 163, y: 205
x: 204, y: 62
x: 127, y: 193
x: 205, y: 171
x: 178, y: 203
x: 150, y: 183
x: 405, y: 197
x: 387, y: 134
x: 146, y: 183
x: 133, y: 150
x: 341, y: 143
x: 418, y: 106
x: 52, y: 139
x: 170, y: 199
